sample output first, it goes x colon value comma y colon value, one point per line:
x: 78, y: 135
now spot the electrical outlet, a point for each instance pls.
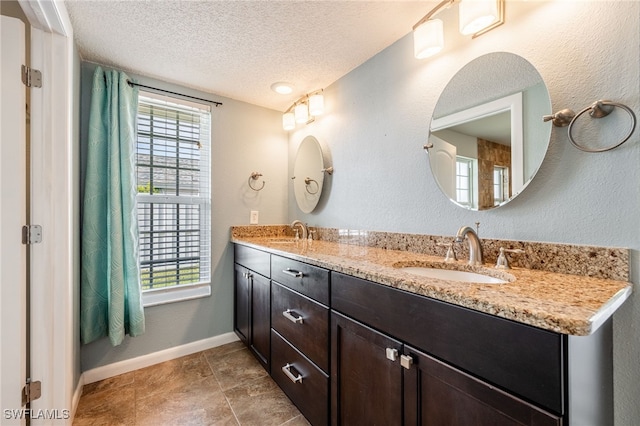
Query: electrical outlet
x: 254, y: 217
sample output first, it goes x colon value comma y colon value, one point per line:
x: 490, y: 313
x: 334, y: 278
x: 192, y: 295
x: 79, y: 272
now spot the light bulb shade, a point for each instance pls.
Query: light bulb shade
x: 316, y: 104
x: 301, y: 113
x: 428, y: 39
x: 288, y: 121
x: 476, y: 15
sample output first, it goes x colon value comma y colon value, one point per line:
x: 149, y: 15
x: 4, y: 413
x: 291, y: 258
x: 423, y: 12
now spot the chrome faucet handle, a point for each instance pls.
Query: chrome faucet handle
x: 451, y: 253
x: 503, y: 262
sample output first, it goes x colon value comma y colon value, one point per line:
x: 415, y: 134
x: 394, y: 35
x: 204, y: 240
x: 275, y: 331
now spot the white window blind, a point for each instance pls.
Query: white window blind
x: 174, y: 195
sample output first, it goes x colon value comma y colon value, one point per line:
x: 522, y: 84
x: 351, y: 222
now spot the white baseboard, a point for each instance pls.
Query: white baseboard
x: 75, y: 399
x: 111, y: 370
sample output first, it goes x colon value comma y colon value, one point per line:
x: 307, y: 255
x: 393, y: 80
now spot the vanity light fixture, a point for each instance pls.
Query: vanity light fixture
x: 301, y: 113
x: 316, y: 104
x: 479, y: 16
x: 288, y: 121
x: 428, y: 38
x: 476, y: 18
x: 304, y: 110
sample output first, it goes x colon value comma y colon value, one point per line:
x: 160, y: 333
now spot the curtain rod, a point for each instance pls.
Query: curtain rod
x: 131, y: 83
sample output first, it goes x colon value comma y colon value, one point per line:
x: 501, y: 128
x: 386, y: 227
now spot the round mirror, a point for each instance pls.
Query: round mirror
x: 487, y: 139
x: 308, y: 174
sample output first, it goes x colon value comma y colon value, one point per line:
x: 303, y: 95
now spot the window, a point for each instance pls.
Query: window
x: 174, y: 197
x: 464, y: 181
x: 500, y: 184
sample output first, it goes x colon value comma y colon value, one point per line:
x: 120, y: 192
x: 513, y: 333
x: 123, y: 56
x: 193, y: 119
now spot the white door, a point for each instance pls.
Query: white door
x: 13, y: 208
x: 444, y: 166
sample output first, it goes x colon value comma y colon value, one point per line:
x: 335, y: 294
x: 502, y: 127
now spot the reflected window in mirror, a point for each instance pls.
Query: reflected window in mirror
x: 465, y: 179
x: 500, y: 185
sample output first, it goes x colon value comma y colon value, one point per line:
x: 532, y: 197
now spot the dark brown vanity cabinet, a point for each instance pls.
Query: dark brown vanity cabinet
x: 252, y: 294
x: 380, y: 379
x: 300, y: 335
x: 348, y: 351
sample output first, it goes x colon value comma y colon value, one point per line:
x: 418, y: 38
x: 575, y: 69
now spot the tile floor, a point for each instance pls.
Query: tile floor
x: 221, y: 386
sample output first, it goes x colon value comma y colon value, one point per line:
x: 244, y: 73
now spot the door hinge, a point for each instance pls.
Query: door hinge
x: 31, y: 391
x: 31, y: 77
x: 31, y: 234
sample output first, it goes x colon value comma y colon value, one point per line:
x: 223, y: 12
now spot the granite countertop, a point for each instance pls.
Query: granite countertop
x: 563, y: 303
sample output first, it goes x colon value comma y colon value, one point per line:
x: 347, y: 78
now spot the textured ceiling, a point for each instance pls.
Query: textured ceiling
x: 237, y: 49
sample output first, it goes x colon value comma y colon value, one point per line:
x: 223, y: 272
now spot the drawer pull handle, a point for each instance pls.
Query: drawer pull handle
x: 289, y: 314
x: 293, y: 273
x: 247, y: 275
x: 287, y: 370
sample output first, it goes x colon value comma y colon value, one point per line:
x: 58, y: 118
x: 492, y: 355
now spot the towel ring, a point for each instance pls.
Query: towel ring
x: 601, y: 109
x: 307, y: 183
x: 253, y: 177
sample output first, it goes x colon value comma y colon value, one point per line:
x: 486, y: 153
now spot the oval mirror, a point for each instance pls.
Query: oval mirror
x: 308, y: 174
x: 487, y: 139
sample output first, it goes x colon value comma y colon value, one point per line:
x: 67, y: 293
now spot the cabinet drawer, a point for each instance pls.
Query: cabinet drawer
x: 306, y: 326
x: 256, y: 260
x: 306, y: 279
x: 310, y: 393
x: 522, y: 359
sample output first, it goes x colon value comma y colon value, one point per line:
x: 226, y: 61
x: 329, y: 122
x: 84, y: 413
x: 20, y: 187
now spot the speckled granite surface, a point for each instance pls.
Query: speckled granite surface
x: 598, y: 262
x: 561, y: 302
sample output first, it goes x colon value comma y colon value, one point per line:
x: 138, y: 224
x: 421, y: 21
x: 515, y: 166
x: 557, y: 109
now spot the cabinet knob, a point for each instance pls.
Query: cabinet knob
x: 406, y: 361
x: 392, y: 354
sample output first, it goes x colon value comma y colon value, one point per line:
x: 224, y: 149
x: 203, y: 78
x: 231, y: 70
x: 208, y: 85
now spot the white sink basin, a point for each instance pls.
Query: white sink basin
x: 452, y: 275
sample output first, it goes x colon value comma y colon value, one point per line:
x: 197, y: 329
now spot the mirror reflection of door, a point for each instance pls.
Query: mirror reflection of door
x: 445, y: 165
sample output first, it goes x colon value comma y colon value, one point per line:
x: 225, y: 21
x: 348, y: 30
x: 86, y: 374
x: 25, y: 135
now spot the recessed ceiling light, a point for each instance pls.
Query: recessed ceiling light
x: 282, y: 88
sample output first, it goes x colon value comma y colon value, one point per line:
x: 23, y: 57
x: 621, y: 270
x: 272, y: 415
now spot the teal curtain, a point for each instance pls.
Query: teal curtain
x: 110, y: 301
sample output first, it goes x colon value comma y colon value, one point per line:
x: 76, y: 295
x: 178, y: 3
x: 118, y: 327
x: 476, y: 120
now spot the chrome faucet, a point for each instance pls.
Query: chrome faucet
x: 303, y: 227
x: 475, y: 247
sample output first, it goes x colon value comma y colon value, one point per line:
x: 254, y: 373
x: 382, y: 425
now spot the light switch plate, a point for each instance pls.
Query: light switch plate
x: 254, y: 217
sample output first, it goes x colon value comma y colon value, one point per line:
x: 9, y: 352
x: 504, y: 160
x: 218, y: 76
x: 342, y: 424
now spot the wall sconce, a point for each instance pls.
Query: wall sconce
x: 304, y: 110
x: 476, y: 17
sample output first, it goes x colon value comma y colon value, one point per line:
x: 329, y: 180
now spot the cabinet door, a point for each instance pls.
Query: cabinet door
x: 261, y: 318
x: 438, y: 394
x: 366, y: 377
x: 241, y: 319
